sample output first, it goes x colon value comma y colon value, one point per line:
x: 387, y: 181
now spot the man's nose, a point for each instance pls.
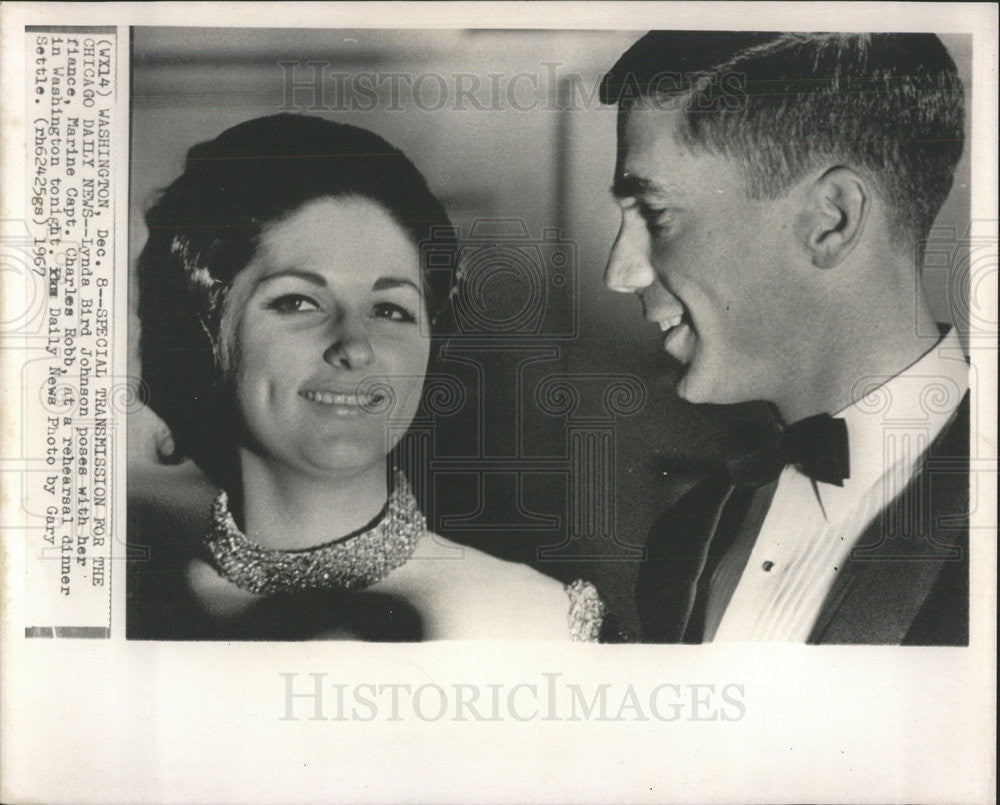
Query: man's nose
x: 350, y: 346
x: 629, y: 269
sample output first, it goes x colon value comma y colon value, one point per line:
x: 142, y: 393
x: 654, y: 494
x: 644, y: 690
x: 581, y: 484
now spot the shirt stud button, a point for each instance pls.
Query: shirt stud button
x: 768, y: 565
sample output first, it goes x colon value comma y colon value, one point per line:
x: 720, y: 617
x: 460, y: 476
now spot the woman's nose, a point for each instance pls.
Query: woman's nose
x: 351, y: 347
x: 629, y: 269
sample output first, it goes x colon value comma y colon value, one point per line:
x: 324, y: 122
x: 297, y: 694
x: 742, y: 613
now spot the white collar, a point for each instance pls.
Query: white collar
x: 893, y: 420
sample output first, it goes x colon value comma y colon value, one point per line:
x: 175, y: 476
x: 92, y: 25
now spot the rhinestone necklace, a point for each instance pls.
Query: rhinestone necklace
x: 348, y: 564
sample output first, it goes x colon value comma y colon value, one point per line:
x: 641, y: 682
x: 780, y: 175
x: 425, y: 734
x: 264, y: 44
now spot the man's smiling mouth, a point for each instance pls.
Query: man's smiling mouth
x: 679, y: 338
x: 673, y: 321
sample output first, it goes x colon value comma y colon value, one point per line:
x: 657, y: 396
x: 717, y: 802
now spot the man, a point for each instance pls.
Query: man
x: 775, y: 190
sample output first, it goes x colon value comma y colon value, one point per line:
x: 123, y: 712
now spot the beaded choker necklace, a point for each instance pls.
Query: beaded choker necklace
x: 347, y: 564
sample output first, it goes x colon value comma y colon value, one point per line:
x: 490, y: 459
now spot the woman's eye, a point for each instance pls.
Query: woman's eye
x: 393, y: 312
x: 294, y: 303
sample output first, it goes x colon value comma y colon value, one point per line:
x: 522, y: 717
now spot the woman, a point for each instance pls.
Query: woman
x: 286, y: 321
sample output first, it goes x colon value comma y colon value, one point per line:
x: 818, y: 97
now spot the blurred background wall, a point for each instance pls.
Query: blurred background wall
x: 554, y: 455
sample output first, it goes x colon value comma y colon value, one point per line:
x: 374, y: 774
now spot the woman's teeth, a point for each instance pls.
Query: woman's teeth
x: 331, y: 398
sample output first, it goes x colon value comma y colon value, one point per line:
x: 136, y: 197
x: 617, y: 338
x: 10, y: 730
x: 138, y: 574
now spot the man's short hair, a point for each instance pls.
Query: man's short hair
x: 888, y: 105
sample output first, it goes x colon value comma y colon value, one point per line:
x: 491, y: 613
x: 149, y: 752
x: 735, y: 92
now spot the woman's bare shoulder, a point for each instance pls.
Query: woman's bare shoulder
x: 471, y: 594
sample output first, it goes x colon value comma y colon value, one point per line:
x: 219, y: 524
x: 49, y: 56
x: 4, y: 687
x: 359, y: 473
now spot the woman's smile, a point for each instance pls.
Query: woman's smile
x: 341, y: 402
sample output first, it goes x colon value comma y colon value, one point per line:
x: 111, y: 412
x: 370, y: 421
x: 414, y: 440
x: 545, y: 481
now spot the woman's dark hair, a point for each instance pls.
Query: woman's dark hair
x: 205, y: 228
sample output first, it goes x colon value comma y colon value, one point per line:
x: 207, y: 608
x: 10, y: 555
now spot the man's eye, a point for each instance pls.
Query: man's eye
x: 393, y: 312
x: 657, y: 221
x: 294, y: 303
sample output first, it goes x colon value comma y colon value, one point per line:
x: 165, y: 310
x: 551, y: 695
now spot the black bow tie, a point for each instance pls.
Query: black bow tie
x: 816, y: 445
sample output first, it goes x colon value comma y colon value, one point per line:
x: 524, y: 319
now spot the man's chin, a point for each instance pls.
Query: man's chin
x: 688, y: 388
x: 720, y: 389
x: 700, y: 389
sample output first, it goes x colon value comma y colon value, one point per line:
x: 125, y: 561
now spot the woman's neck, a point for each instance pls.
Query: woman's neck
x: 288, y: 510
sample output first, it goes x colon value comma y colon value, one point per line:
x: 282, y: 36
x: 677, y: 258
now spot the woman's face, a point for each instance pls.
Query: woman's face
x: 328, y: 338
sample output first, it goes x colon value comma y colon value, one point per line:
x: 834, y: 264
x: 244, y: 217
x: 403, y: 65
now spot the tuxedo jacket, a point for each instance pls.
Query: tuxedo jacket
x: 906, y: 581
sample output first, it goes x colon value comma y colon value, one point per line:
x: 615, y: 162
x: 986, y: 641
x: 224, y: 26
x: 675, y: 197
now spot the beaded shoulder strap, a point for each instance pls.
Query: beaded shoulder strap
x: 586, y: 612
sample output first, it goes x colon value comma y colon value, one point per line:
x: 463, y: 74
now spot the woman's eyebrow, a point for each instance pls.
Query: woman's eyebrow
x: 309, y: 276
x: 381, y: 284
x: 386, y: 283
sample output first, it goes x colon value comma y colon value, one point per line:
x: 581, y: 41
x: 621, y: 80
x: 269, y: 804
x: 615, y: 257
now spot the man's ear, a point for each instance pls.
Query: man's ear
x: 837, y: 206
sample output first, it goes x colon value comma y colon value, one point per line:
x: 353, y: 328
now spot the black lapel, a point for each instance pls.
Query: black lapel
x: 907, y: 579
x: 676, y: 552
x: 739, y: 522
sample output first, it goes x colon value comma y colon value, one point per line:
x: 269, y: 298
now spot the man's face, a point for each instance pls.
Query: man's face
x: 715, y: 270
